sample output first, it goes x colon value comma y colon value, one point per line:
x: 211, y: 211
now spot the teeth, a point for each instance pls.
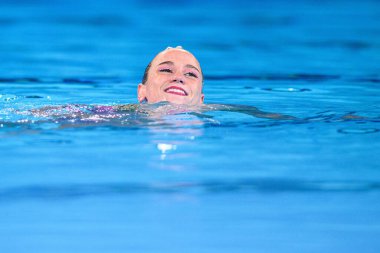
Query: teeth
x: 176, y: 90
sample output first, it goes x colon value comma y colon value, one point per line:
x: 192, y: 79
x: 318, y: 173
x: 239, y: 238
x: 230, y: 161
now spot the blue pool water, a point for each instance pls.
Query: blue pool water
x: 219, y: 182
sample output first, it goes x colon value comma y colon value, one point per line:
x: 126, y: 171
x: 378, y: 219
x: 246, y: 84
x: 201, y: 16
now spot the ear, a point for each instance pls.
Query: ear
x: 141, y: 92
x: 202, y: 98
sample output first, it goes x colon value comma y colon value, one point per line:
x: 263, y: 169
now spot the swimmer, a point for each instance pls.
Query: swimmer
x: 175, y: 76
x: 172, y: 84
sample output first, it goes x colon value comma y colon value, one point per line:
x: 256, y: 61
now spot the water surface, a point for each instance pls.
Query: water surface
x: 216, y: 182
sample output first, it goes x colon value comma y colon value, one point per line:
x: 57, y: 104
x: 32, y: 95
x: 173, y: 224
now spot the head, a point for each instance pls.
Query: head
x: 175, y: 76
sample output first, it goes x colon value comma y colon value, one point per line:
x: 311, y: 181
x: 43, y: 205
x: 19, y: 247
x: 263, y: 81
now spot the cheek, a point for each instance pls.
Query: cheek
x: 154, y: 90
x: 197, y: 89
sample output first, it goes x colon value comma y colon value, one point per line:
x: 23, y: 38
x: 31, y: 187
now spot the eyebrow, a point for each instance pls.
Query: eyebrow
x: 166, y: 62
x: 191, y: 66
x: 172, y: 63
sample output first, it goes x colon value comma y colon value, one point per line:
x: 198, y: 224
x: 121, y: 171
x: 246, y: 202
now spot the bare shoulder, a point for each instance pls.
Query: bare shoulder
x: 126, y: 107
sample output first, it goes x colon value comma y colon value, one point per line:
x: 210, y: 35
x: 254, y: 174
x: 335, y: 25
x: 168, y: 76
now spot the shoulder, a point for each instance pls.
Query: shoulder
x: 126, y: 108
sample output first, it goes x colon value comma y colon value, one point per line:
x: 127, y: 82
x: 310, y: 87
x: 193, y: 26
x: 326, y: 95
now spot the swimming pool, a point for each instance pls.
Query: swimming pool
x: 227, y: 182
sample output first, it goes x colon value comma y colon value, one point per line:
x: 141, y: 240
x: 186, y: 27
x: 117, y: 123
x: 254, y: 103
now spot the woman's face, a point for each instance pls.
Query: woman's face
x: 174, y: 76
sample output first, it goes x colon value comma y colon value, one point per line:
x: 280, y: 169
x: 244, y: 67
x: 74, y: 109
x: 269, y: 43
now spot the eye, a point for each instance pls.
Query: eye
x: 165, y: 70
x: 191, y: 74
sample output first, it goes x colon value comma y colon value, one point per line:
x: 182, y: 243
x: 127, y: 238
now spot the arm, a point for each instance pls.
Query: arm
x: 249, y: 110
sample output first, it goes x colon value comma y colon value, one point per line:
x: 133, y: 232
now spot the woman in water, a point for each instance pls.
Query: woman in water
x: 172, y: 84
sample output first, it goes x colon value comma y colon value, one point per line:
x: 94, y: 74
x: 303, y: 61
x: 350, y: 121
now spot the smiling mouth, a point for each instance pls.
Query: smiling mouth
x: 176, y: 91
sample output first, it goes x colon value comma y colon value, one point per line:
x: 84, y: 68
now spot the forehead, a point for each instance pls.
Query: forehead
x: 177, y: 56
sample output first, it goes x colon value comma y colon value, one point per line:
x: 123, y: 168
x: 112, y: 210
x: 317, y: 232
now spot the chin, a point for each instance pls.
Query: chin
x: 178, y: 100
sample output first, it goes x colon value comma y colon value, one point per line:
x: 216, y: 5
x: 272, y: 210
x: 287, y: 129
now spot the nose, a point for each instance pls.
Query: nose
x: 177, y: 80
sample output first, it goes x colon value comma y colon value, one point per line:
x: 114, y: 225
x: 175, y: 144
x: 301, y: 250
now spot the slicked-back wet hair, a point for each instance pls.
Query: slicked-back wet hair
x: 145, y: 77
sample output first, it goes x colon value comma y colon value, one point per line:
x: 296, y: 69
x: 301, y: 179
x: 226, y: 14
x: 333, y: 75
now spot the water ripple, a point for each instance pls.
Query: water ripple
x: 33, y: 96
x: 97, y: 21
x: 20, y: 80
x: 78, y: 81
x: 6, y: 21
x: 276, y: 77
x: 345, y: 44
x: 269, y: 186
x: 290, y: 89
x: 367, y: 79
x: 66, y: 80
x: 259, y: 21
x: 358, y: 130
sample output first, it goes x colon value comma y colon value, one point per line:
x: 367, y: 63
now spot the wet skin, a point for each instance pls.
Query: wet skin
x: 175, y: 76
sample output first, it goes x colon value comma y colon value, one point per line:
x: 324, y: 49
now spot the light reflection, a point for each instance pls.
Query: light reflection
x: 164, y: 147
x: 173, y: 133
